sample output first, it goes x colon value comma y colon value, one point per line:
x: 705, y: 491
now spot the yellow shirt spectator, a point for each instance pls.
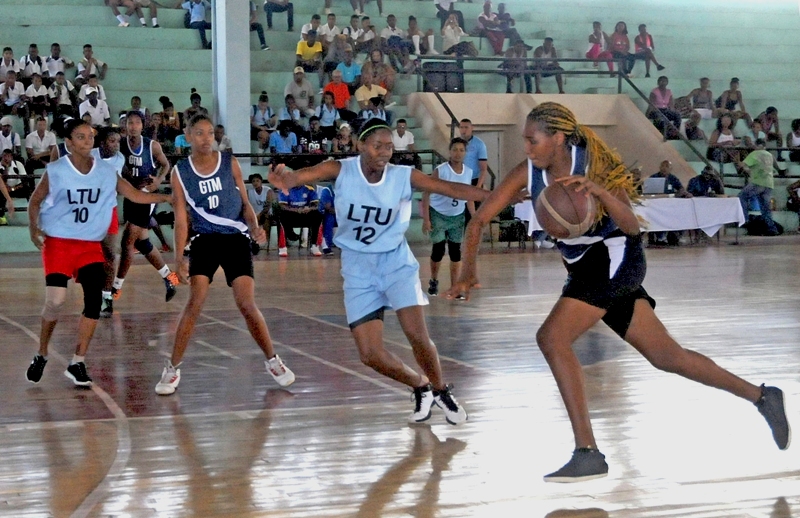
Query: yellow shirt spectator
x: 307, y: 53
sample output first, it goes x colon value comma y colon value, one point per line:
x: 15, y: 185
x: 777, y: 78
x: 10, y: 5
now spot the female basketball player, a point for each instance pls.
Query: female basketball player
x: 211, y: 199
x: 373, y: 209
x: 606, y: 267
x: 69, y: 216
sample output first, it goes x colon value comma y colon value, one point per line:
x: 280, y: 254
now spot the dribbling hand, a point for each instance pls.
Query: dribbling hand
x: 279, y: 176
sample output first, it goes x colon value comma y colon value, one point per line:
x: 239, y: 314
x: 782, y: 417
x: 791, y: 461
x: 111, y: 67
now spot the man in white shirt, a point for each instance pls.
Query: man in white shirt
x: 393, y: 39
x: 221, y: 141
x: 403, y: 140
x: 9, y: 139
x: 96, y: 108
x: 313, y: 25
x: 38, y: 146
x: 90, y: 65
x: 62, y: 96
x: 55, y: 63
x: 326, y: 33
x: 30, y: 64
x: 10, y: 166
x: 8, y: 63
x: 12, y: 97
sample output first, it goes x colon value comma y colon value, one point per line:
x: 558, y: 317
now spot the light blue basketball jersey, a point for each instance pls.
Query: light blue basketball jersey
x: 78, y: 206
x: 372, y: 218
x: 215, y: 204
x: 444, y: 204
x: 117, y: 161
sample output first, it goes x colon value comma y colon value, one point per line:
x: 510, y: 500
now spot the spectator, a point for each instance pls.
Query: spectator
x: 771, y: 126
x: 12, y: 172
x: 516, y: 64
x: 37, y: 97
x: 621, y: 48
x: 350, y: 75
x: 291, y: 113
x: 313, y: 25
x: 672, y: 185
x: 445, y: 8
x: 722, y: 142
x: 95, y: 108
x: 507, y: 23
x: 30, y: 64
x: 547, y: 68
x: 328, y: 210
x: 328, y: 32
x: 197, y: 19
x: 8, y: 138
x: 55, y: 63
x: 194, y: 108
x: 38, y: 146
x: 12, y: 95
x: 136, y: 106
x: 182, y: 145
x: 692, y: 128
x: 122, y: 18
x: 257, y: 27
x: 703, y: 100
x: 451, y: 39
x: 262, y: 200
x: 151, y: 5
x: 158, y: 132
x: 380, y: 73
x: 8, y: 63
x: 279, y: 6
x: 89, y: 65
x: 393, y: 39
x: 263, y: 120
x: 283, y: 141
x: 369, y: 38
x: 727, y: 102
x: 301, y: 91
x: 298, y: 209
x: 759, y: 166
x: 793, y: 200
x: 62, y: 97
x: 314, y: 141
x: 489, y: 27
x: 328, y: 115
x: 661, y: 97
x: 353, y: 31
x: 599, y: 45
x: 422, y: 41
x: 367, y: 91
x: 793, y: 141
x: 353, y: 4
x: 344, y: 142
x: 341, y: 95
x: 706, y: 183
x: 477, y: 157
x: 170, y: 118
x: 374, y: 110
x: 403, y: 141
x: 92, y: 83
x: 309, y: 56
x: 336, y: 53
x: 754, y: 133
x: 222, y: 142
x: 644, y: 47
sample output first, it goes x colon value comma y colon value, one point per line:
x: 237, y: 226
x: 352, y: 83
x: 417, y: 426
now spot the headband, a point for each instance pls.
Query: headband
x: 366, y: 132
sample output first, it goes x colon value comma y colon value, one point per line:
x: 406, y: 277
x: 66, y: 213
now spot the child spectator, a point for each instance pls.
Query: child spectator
x: 422, y: 40
x: 92, y: 83
x: 170, y: 119
x: 197, y: 19
x: 221, y: 141
x: 122, y: 18
x: 263, y: 120
x: 661, y: 97
x: 291, y: 113
x: 328, y: 115
x: 158, y: 132
x: 754, y: 133
x: 729, y: 100
x: 12, y: 97
x: 9, y: 139
x: 37, y: 97
x: 62, y: 97
x: 621, y: 47
x: 261, y: 199
x: 599, y: 47
x: 644, y: 47
x: 89, y: 65
x: 703, y: 100
x: 194, y: 108
x: 153, y: 8
x: 344, y: 142
x: 8, y: 63
x: 55, y: 63
x: 279, y: 6
x: 301, y: 91
x: 547, y: 68
x: 136, y: 106
x: 15, y: 187
x: 374, y: 110
x: 182, y: 145
x: 38, y: 146
x: 30, y: 64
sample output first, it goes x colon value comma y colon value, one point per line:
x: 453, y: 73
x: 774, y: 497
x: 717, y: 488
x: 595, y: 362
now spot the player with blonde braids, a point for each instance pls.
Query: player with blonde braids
x: 606, y: 267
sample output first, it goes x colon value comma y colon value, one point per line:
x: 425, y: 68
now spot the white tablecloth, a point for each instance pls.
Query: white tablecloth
x: 660, y: 214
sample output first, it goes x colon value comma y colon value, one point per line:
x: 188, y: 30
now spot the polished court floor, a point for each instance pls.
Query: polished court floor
x: 336, y: 443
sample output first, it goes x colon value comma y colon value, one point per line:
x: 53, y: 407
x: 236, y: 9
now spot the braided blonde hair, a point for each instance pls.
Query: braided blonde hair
x: 605, y: 166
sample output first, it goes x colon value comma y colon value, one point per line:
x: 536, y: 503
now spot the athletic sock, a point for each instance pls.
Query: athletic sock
x: 106, y: 295
x: 76, y: 359
x: 155, y: 22
x: 143, y: 22
x: 117, y: 284
x: 164, y: 272
x: 121, y: 18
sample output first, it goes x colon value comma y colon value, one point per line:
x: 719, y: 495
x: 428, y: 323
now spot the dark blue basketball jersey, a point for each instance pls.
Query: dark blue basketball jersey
x: 139, y: 162
x: 214, y: 202
x: 62, y: 150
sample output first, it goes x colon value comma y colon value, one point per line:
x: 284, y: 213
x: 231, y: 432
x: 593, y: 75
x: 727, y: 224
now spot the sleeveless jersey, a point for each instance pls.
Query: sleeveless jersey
x: 140, y: 162
x: 604, y: 233
x: 444, y: 204
x: 117, y: 161
x: 372, y: 217
x: 78, y: 206
x: 215, y: 205
x: 62, y: 150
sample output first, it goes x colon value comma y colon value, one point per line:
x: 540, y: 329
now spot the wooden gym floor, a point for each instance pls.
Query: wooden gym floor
x: 336, y: 443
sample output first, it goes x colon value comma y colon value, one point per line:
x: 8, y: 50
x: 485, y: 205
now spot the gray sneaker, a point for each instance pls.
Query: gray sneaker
x: 585, y: 464
x: 772, y: 407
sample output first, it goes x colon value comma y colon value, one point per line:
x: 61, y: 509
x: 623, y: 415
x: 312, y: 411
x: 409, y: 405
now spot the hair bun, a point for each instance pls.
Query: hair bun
x: 194, y: 90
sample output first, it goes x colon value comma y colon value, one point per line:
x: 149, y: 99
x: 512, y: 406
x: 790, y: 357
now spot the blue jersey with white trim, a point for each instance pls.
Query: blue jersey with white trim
x: 605, y: 231
x: 214, y: 203
x: 77, y: 205
x: 140, y: 162
x: 372, y: 217
x: 117, y: 161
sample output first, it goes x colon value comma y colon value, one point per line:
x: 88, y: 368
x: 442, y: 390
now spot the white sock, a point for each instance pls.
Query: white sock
x: 415, y: 39
x: 164, y: 272
x: 76, y: 359
x: 121, y: 18
x: 117, y: 284
x: 155, y: 22
x: 142, y: 21
x: 431, y: 49
x: 106, y: 294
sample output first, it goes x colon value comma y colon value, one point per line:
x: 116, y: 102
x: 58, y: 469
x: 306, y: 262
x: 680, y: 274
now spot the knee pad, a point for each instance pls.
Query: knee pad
x: 437, y: 252
x: 92, y: 278
x: 54, y: 300
x: 454, y: 250
x: 144, y: 246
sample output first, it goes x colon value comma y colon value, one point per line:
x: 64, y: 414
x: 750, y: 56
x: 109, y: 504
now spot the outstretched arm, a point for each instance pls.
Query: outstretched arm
x: 422, y: 182
x: 283, y: 178
x: 137, y: 196
x: 256, y: 232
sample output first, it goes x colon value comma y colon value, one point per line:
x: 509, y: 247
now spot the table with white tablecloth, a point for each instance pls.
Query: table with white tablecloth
x: 662, y: 214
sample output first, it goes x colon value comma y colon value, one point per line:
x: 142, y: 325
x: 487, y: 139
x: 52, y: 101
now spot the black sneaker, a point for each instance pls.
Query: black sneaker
x: 433, y: 287
x: 423, y: 401
x: 107, y: 308
x: 171, y: 283
x: 772, y: 407
x: 77, y: 373
x: 453, y: 412
x: 36, y: 368
x: 585, y: 464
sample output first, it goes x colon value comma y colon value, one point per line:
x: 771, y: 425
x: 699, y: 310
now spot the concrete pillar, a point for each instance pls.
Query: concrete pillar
x: 231, y: 72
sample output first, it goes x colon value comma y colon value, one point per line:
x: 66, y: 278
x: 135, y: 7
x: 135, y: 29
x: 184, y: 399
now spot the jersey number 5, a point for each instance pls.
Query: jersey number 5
x: 365, y: 234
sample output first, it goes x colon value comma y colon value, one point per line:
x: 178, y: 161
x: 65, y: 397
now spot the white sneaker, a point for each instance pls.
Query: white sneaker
x: 279, y: 372
x: 314, y: 250
x: 453, y: 412
x: 170, y: 378
x: 123, y: 24
x: 423, y: 401
x: 283, y: 252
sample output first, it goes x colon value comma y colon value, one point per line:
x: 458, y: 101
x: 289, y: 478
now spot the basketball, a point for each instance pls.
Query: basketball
x: 564, y: 212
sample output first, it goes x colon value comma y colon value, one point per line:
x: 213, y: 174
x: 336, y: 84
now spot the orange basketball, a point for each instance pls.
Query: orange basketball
x: 564, y: 212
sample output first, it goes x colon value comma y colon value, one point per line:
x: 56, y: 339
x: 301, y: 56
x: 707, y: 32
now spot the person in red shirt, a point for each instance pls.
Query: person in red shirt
x: 341, y: 95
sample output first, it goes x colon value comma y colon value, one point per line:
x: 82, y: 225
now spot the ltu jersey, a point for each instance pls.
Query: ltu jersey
x: 78, y: 206
x: 372, y: 217
x: 444, y: 204
x: 215, y: 204
x: 140, y: 162
x: 117, y: 161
